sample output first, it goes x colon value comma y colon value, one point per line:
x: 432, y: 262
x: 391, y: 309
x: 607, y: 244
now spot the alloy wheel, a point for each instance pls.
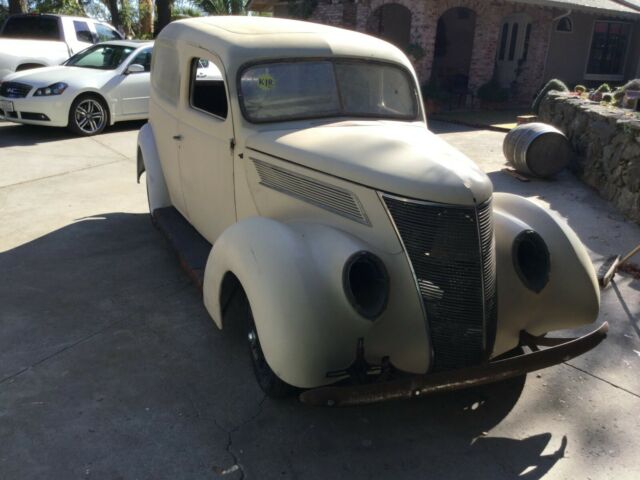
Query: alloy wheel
x: 90, y: 116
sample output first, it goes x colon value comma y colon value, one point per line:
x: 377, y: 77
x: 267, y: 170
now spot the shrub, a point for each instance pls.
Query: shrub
x: 433, y: 91
x: 604, y: 88
x: 580, y: 89
x: 552, y: 85
x: 631, y: 85
x: 493, y: 92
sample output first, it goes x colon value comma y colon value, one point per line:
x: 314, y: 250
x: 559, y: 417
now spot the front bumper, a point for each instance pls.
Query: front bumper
x: 560, y: 350
x: 54, y: 108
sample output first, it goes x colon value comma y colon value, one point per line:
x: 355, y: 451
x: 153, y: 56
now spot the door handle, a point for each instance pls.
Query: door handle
x: 177, y: 137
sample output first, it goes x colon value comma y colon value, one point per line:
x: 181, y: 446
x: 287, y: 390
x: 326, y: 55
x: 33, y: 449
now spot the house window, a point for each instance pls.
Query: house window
x: 503, y: 41
x: 514, y: 41
x: 608, y: 50
x: 565, y: 25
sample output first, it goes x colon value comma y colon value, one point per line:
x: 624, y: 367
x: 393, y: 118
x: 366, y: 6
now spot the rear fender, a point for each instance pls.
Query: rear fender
x: 148, y: 160
x: 571, y: 298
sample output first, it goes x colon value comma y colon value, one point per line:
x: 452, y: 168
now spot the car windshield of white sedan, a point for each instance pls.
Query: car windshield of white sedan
x: 103, y: 57
x: 317, y: 89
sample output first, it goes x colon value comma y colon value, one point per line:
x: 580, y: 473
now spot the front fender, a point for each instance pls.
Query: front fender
x: 571, y: 297
x: 292, y: 276
x: 148, y: 160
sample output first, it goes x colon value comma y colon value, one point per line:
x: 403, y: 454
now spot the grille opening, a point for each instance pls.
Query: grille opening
x: 531, y: 260
x: 366, y: 284
x: 451, y: 250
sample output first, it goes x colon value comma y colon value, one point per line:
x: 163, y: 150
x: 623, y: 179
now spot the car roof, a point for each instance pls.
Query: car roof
x: 241, y: 39
x: 57, y: 15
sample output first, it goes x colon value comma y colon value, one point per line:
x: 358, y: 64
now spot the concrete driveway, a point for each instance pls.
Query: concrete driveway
x: 110, y: 367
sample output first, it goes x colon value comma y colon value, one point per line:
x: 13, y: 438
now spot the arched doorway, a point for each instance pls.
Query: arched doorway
x: 392, y: 22
x: 513, y: 47
x: 453, y: 49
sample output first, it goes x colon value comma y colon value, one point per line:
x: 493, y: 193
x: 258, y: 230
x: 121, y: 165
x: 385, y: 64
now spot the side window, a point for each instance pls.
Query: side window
x: 143, y: 58
x: 105, y: 33
x: 206, y: 88
x: 165, y: 72
x: 83, y: 34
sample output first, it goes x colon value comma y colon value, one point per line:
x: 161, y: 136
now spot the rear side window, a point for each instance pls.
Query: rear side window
x: 206, y: 88
x: 83, y: 34
x: 105, y: 33
x: 32, y: 27
x: 165, y: 72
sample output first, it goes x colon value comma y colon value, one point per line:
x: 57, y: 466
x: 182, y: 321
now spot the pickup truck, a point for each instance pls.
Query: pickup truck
x: 300, y: 184
x: 32, y: 41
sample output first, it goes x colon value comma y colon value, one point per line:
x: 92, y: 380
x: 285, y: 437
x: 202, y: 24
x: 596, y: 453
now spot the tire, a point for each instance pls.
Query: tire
x: 268, y: 381
x: 88, y: 115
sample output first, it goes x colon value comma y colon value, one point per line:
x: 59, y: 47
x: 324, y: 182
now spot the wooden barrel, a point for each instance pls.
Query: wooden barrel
x: 537, y: 149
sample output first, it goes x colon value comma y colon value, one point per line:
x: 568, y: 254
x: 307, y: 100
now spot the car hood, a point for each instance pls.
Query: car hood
x: 42, y: 77
x: 394, y: 157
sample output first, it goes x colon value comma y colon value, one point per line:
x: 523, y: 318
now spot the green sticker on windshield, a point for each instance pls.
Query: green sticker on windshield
x: 266, y: 82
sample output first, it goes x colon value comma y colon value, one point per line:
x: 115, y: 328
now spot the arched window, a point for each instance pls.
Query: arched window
x: 565, y: 25
x: 392, y: 22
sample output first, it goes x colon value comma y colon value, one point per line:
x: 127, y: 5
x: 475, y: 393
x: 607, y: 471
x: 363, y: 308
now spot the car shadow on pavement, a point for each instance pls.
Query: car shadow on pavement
x: 110, y: 363
x: 17, y: 135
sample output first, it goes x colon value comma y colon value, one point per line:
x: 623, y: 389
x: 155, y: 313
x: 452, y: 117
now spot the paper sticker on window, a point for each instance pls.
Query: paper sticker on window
x: 266, y: 82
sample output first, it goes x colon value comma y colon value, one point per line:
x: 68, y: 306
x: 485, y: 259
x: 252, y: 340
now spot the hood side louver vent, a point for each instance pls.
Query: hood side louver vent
x: 322, y: 195
x: 451, y: 251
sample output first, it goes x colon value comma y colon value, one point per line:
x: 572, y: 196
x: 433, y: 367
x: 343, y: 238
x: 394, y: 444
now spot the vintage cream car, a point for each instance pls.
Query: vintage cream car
x: 360, y: 248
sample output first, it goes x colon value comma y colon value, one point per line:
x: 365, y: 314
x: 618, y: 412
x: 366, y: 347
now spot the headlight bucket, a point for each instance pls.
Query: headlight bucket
x: 531, y: 260
x: 366, y: 284
x: 53, y: 89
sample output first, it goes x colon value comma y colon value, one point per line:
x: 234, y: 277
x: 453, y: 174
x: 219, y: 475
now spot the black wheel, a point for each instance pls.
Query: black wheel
x: 269, y: 382
x: 88, y: 115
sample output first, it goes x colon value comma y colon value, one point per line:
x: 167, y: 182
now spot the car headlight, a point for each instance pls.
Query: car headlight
x: 54, y: 89
x: 366, y: 284
x: 531, y: 260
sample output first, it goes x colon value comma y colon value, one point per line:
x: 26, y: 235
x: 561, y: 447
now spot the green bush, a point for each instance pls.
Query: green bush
x: 604, y: 88
x: 493, y: 92
x: 552, y: 85
x: 580, y: 89
x: 433, y: 91
x: 607, y: 97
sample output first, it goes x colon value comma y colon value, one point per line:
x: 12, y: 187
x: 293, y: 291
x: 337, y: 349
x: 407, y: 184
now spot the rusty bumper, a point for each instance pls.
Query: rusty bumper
x: 559, y: 350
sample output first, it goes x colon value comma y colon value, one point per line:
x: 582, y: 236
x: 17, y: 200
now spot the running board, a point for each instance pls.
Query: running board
x: 191, y: 247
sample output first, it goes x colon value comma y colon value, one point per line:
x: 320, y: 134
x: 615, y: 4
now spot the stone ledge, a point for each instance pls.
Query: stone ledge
x: 606, y: 141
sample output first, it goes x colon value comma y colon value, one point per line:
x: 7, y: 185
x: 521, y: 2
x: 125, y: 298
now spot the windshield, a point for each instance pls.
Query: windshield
x: 325, y: 88
x: 103, y: 57
x: 32, y: 27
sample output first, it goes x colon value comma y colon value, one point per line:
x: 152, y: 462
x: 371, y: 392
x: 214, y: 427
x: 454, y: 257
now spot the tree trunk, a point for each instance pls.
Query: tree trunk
x: 17, y: 6
x: 164, y: 13
x: 112, y: 5
x: 145, y: 9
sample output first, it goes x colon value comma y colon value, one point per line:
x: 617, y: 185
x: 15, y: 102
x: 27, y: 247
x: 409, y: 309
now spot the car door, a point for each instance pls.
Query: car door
x: 133, y: 90
x: 78, y: 34
x: 167, y: 85
x: 206, y: 151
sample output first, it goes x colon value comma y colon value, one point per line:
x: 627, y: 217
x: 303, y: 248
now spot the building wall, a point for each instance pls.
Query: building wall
x: 425, y: 14
x: 569, y: 52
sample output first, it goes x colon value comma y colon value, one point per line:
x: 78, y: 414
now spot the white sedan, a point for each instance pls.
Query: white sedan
x: 104, y: 84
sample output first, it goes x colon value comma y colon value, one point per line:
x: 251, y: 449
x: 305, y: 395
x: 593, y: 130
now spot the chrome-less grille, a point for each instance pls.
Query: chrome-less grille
x: 14, y: 89
x: 451, y: 250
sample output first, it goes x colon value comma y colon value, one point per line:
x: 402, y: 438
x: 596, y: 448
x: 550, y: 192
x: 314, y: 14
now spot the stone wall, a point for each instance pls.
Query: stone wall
x: 606, y: 141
